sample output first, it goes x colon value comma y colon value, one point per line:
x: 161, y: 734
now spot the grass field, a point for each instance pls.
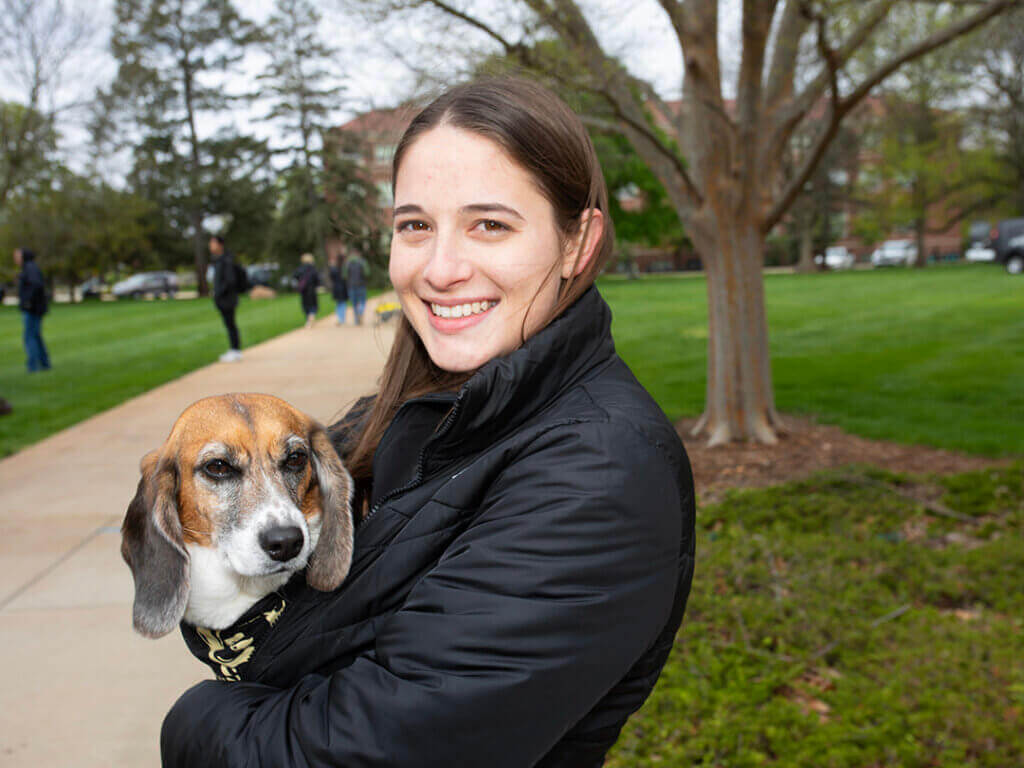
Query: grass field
x: 931, y: 356
x: 838, y: 623
x: 104, y: 353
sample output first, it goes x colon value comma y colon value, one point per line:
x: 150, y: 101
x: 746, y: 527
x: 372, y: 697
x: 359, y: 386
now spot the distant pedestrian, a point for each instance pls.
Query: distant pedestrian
x: 225, y: 294
x: 306, y: 281
x: 356, y: 273
x: 339, y: 289
x: 33, y: 305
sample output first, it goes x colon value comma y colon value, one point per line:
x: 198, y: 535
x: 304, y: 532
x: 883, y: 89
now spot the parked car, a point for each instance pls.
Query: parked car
x: 894, y: 253
x: 978, y: 233
x: 1008, y: 244
x: 262, y: 274
x: 92, y: 288
x: 146, y: 284
x: 836, y: 257
x: 979, y: 253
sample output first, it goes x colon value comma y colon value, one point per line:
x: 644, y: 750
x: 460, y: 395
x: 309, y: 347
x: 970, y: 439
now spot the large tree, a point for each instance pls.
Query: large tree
x: 721, y: 162
x: 173, y: 60
x: 302, y: 84
x: 1001, y: 76
x: 77, y: 225
x: 39, y: 41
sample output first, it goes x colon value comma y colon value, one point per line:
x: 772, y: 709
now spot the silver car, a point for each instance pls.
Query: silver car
x: 146, y: 284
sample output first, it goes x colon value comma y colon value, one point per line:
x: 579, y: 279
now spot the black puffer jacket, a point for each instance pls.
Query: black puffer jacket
x: 514, y: 592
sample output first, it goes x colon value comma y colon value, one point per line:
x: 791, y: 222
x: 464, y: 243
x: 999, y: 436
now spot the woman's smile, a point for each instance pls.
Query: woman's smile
x: 445, y: 314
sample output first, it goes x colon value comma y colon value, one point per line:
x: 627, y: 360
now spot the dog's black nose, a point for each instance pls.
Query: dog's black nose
x: 282, y: 543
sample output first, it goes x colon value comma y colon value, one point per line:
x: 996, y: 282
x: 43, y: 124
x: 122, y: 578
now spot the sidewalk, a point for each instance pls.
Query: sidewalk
x: 80, y: 688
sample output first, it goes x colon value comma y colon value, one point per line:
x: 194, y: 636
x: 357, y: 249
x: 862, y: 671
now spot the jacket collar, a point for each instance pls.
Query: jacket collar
x: 510, y: 389
x: 505, y: 392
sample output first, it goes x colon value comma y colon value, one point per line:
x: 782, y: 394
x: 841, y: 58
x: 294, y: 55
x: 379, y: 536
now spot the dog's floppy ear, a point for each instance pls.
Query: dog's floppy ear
x: 153, y: 547
x: 330, y: 562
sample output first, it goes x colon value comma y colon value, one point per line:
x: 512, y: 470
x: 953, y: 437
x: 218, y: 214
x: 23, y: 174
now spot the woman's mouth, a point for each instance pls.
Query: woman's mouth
x: 456, y: 311
x: 452, y: 318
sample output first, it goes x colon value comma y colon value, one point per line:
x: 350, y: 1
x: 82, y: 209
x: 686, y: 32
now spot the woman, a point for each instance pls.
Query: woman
x: 525, y: 547
x: 339, y: 291
x: 306, y: 280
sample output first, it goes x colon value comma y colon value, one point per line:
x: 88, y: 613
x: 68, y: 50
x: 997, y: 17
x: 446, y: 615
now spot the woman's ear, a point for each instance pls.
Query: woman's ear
x: 583, y: 247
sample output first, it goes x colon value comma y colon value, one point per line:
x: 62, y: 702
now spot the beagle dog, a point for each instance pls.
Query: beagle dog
x: 245, y: 492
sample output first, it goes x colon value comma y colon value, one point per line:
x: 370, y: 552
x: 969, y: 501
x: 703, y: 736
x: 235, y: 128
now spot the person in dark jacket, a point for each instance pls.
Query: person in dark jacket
x: 307, y: 280
x: 356, y: 272
x: 525, y: 545
x: 33, y: 305
x: 225, y: 295
x: 339, y: 289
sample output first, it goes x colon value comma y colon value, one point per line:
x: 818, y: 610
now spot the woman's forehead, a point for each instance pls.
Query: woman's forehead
x: 447, y: 161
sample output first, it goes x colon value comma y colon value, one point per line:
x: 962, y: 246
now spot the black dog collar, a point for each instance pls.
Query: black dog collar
x: 228, y: 651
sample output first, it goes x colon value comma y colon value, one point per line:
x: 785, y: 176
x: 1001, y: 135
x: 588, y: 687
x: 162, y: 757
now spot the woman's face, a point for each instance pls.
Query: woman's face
x: 476, y: 256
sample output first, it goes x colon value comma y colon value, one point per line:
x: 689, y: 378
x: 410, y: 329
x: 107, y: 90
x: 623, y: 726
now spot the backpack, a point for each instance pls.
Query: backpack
x: 241, y: 278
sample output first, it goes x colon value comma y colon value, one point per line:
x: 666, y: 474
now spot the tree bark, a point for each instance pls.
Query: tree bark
x: 740, y: 399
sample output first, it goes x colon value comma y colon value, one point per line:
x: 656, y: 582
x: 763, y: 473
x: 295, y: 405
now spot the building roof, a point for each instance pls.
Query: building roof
x: 394, y: 120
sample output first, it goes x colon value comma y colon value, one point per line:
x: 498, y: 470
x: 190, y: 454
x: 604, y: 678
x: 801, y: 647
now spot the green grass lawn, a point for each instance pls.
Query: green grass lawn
x: 106, y: 352
x: 931, y: 356
x: 838, y: 623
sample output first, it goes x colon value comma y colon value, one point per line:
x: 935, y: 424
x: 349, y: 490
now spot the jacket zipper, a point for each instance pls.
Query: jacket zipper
x: 418, y: 477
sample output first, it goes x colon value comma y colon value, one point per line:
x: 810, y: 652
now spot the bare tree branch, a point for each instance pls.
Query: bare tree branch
x: 779, y: 85
x: 844, y: 105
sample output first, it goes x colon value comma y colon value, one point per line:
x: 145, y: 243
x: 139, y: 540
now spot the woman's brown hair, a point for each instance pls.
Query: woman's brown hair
x: 547, y: 139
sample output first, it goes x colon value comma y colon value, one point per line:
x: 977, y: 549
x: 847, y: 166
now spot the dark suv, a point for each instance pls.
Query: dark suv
x: 1008, y: 242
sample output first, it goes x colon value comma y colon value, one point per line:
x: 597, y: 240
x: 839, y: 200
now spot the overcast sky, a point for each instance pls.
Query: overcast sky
x: 637, y: 32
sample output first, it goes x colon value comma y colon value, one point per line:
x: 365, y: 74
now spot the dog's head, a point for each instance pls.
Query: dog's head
x: 245, y: 491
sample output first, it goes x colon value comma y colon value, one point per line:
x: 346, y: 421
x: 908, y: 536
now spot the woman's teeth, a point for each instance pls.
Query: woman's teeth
x: 462, y: 310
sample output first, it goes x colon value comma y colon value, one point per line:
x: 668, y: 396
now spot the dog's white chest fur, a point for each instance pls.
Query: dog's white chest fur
x: 219, y: 596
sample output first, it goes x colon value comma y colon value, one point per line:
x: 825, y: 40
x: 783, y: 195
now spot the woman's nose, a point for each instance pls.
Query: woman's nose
x: 447, y: 266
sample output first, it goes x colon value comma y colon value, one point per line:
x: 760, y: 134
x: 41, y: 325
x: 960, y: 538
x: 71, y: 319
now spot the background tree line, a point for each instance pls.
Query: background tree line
x: 170, y: 119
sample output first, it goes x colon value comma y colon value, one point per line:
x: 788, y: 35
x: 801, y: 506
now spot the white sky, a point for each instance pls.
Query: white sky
x: 637, y: 32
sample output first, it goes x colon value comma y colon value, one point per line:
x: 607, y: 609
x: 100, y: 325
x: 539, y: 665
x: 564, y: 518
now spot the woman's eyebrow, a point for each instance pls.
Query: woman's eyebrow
x: 491, y: 208
x: 409, y: 208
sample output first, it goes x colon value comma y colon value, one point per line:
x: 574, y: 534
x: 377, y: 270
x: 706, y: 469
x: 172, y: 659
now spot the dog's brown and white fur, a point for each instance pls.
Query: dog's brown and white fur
x: 245, y: 492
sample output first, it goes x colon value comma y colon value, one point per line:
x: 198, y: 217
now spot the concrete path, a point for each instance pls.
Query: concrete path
x: 79, y: 687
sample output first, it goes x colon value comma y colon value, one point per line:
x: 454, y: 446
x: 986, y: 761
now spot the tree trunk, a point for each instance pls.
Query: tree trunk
x: 199, y: 251
x: 806, y: 260
x: 740, y: 398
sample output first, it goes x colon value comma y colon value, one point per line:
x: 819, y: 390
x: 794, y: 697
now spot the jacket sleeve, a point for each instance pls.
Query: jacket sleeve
x: 565, y: 577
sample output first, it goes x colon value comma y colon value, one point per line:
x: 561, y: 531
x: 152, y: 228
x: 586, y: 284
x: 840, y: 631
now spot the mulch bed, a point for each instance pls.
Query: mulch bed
x: 805, y: 448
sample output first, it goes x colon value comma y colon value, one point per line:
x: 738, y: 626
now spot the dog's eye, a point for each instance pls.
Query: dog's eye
x: 295, y: 461
x: 218, y: 469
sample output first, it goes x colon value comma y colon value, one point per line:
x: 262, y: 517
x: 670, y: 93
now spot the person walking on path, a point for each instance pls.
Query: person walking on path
x: 225, y: 294
x: 339, y: 290
x: 307, y: 280
x: 356, y: 272
x: 33, y: 305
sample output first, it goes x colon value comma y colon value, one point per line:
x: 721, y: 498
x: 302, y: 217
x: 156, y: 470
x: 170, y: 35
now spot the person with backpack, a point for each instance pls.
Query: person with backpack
x: 33, y: 305
x: 306, y: 282
x: 339, y: 289
x: 356, y: 273
x: 229, y: 279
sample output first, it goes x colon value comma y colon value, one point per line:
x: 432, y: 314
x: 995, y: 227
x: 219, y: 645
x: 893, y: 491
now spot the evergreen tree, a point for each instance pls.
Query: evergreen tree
x: 323, y: 195
x: 173, y: 57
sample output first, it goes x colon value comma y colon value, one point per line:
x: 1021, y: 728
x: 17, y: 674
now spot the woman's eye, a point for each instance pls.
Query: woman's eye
x: 218, y: 469
x: 412, y: 226
x: 493, y: 225
x: 296, y: 461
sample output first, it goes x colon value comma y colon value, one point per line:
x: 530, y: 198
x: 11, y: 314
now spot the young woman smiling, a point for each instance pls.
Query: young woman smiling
x: 525, y: 544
